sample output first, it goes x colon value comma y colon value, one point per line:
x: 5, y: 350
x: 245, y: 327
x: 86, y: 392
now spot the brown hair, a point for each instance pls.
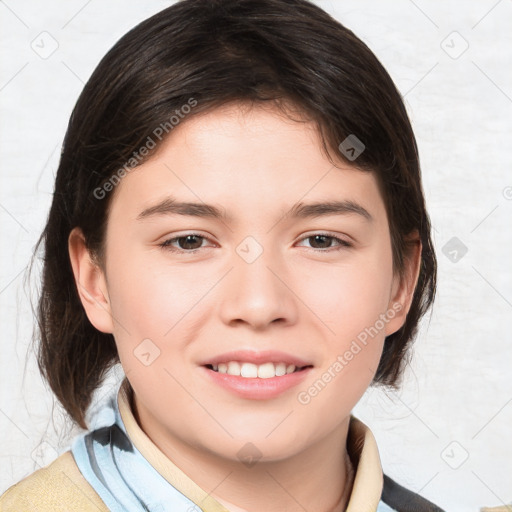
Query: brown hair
x: 220, y: 51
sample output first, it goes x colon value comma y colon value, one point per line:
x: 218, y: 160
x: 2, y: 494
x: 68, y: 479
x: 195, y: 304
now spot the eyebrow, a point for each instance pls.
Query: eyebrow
x: 170, y: 206
x: 321, y: 209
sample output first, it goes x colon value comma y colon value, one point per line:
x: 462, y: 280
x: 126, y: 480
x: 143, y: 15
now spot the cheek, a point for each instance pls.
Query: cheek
x: 352, y: 302
x: 150, y: 296
x: 152, y: 300
x: 349, y: 298
x: 351, y: 310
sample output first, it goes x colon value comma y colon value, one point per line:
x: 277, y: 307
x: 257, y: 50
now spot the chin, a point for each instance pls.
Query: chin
x: 259, y: 445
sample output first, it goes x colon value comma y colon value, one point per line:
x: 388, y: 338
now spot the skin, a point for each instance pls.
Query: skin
x: 301, y: 297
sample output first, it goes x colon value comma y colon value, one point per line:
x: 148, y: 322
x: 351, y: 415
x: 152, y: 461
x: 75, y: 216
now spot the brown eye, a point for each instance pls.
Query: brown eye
x: 187, y: 243
x: 323, y: 242
x: 190, y: 242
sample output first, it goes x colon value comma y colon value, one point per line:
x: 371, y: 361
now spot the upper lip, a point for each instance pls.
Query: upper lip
x: 256, y: 357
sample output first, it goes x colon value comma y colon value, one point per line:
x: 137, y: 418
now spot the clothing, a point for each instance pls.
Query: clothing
x: 115, y: 466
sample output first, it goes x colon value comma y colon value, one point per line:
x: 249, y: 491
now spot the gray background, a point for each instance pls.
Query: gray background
x: 447, y: 433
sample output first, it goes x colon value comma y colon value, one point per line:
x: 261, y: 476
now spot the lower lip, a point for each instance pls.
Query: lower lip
x: 256, y: 388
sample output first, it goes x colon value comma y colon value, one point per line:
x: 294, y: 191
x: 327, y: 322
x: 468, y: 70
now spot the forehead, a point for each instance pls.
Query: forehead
x: 246, y: 160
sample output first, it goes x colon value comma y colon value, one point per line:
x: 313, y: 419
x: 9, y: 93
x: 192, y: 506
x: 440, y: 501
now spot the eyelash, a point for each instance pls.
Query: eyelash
x: 342, y: 244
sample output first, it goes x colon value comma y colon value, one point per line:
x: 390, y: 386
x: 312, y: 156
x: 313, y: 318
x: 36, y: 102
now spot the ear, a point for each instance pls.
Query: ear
x: 404, y: 285
x: 90, y: 282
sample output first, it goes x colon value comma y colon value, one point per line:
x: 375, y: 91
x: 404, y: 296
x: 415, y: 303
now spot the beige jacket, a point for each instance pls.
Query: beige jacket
x: 60, y: 487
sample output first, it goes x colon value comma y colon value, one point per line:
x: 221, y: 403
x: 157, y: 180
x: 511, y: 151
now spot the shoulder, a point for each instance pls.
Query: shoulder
x: 400, y: 499
x: 55, y: 488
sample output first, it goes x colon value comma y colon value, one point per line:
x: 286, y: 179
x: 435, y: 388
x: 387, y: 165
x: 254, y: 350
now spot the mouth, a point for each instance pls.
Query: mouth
x: 256, y: 375
x: 247, y: 370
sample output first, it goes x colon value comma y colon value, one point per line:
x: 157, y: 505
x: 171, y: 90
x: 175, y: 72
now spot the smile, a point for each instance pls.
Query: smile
x: 253, y: 371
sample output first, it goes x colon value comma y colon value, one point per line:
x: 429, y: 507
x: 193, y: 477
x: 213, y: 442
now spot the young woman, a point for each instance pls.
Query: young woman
x: 238, y: 220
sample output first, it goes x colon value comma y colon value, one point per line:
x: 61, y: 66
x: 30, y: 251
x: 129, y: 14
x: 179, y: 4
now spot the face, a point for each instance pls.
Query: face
x: 292, y: 300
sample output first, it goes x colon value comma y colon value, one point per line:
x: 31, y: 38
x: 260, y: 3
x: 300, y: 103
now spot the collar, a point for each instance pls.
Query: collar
x: 131, y: 474
x: 361, y: 446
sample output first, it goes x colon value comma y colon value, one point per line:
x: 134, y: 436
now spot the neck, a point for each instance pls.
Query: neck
x: 296, y: 489
x: 319, y: 478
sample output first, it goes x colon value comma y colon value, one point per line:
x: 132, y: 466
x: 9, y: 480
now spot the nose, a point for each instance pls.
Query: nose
x: 258, y: 293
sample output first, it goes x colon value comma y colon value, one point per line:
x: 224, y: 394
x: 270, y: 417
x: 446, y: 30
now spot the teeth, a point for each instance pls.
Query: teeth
x: 252, y: 371
x: 233, y: 368
x: 280, y: 369
x: 267, y: 370
x: 248, y: 370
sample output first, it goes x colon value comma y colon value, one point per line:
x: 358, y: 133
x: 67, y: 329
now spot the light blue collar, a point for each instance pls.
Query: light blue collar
x: 119, y: 473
